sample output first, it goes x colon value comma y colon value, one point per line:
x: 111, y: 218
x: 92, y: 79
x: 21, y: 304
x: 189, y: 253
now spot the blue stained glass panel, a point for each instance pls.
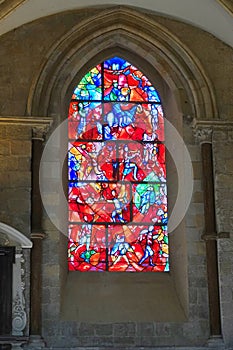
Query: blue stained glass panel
x: 133, y: 121
x: 116, y: 64
x: 90, y: 86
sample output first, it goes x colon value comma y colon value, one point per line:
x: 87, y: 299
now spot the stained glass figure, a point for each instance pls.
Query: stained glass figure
x: 86, y: 250
x: 85, y: 121
x: 117, y: 174
x: 124, y: 82
x: 137, y: 248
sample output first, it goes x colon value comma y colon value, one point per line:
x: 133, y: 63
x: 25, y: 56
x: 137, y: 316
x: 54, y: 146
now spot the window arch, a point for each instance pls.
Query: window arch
x: 117, y: 173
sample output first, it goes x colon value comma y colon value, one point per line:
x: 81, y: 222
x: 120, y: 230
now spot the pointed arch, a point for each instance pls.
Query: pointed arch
x: 164, y: 59
x: 113, y: 31
x: 117, y: 172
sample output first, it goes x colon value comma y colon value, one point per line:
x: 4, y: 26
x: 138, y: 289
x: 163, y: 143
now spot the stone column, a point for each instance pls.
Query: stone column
x: 37, y: 236
x: 204, y: 135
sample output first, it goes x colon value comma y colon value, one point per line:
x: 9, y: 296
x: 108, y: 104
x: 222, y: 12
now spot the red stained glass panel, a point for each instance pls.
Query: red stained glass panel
x: 117, y: 175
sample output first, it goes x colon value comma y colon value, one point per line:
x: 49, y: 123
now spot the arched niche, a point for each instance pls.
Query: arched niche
x: 10, y: 237
x: 184, y: 89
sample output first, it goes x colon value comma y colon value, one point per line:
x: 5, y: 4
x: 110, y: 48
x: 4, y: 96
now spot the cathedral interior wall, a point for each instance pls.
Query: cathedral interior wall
x: 112, y: 310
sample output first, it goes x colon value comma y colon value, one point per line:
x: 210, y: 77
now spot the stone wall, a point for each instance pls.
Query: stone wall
x: 215, y: 57
x: 15, y: 176
x: 23, y: 52
x: 223, y: 145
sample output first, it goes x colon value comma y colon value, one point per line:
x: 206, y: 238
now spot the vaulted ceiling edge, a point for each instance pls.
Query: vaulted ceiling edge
x: 8, y: 6
x: 227, y: 4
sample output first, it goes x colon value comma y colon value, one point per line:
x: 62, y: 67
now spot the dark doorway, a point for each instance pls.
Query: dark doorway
x: 7, y: 255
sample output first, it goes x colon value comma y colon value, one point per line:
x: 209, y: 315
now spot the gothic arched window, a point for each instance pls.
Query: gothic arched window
x: 117, y: 173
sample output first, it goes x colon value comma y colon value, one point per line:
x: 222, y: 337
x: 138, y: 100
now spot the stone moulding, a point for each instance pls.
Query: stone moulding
x: 112, y: 30
x: 30, y: 121
x: 227, y: 4
x: 203, y: 130
x: 15, y: 236
x: 40, y: 125
x: 7, y: 6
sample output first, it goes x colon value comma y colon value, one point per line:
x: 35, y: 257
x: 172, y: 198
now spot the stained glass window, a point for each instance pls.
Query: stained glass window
x: 117, y: 173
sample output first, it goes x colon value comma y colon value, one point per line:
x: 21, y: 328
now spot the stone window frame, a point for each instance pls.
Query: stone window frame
x: 160, y: 55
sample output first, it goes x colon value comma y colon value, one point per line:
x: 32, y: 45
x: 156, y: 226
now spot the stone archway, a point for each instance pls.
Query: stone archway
x: 115, y: 31
x: 14, y: 242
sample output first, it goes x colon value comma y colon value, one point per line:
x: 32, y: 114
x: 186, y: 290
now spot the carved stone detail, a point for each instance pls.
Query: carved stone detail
x: 203, y: 134
x: 19, y: 317
x: 204, y: 130
x: 39, y: 132
x: 4, y: 240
